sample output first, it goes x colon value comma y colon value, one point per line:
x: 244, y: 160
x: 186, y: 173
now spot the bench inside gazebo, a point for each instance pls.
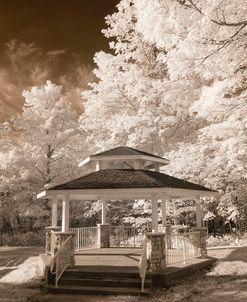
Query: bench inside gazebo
x: 121, y: 173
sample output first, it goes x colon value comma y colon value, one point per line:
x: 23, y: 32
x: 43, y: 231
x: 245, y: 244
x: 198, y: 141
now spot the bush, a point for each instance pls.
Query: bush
x: 23, y: 239
x: 227, y: 240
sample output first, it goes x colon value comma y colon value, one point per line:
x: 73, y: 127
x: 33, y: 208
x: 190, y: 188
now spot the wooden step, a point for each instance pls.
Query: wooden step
x: 102, y: 272
x: 104, y: 281
x: 94, y: 290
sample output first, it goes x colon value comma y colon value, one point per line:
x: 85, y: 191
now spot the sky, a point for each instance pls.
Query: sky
x: 74, y: 25
x: 49, y: 40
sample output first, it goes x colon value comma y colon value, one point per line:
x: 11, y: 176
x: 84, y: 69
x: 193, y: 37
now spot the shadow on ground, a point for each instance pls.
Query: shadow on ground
x: 238, y: 254
x: 11, y: 257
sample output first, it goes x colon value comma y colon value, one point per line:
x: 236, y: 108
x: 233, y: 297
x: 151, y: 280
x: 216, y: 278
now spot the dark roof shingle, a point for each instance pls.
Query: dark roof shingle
x: 120, y: 179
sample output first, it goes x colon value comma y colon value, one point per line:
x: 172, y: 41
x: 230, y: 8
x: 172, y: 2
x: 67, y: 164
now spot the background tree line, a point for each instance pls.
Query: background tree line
x: 173, y: 83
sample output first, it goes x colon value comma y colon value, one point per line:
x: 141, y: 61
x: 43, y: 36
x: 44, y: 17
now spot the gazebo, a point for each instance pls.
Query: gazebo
x: 122, y: 173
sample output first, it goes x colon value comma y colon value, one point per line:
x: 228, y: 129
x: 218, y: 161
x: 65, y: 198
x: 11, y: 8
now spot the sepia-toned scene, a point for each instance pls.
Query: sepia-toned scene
x: 123, y: 151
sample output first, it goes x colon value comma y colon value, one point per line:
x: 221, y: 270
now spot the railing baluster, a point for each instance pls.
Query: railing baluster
x: 181, y: 247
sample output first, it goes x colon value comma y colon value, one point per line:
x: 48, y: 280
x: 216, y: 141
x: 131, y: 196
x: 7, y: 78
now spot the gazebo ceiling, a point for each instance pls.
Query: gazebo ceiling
x: 129, y: 183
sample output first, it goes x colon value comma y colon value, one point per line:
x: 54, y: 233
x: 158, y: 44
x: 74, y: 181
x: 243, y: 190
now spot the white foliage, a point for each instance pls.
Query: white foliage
x: 48, y: 142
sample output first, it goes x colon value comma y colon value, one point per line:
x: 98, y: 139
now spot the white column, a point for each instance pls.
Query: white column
x: 156, y: 168
x: 54, y: 211
x: 137, y: 165
x: 103, y: 212
x: 198, y: 212
x: 163, y: 211
x: 98, y: 165
x: 65, y: 214
x: 154, y: 215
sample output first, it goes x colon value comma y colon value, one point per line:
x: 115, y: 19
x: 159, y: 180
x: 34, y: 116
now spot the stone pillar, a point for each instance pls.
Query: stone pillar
x: 156, y: 251
x: 103, y: 235
x: 60, y: 237
x: 48, y: 237
x: 202, y: 240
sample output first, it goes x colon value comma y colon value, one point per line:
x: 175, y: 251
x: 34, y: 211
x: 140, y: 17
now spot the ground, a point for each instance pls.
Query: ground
x: 226, y: 281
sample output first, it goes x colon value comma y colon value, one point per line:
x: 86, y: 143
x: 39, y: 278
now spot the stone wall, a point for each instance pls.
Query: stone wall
x: 103, y: 235
x: 60, y: 238
x: 156, y: 251
x: 48, y: 243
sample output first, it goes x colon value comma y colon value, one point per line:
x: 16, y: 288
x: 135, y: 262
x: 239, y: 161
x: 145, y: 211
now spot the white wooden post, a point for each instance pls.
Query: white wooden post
x: 198, y: 212
x: 156, y: 168
x: 54, y: 212
x: 154, y: 215
x: 103, y: 212
x: 163, y: 211
x: 65, y: 214
x: 98, y: 165
x: 137, y: 165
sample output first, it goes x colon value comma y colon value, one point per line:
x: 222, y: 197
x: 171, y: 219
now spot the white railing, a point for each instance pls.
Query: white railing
x: 62, y: 259
x: 86, y: 237
x: 143, y: 263
x: 121, y: 236
x: 182, y: 247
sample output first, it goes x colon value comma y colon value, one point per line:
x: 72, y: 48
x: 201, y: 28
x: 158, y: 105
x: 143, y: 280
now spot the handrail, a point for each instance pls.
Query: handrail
x: 143, y: 263
x: 61, y: 260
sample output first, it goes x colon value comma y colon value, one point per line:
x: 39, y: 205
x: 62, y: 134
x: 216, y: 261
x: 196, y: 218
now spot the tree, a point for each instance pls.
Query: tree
x: 49, y: 135
x: 176, y: 84
x: 45, y: 148
x: 134, y: 101
x: 208, y: 37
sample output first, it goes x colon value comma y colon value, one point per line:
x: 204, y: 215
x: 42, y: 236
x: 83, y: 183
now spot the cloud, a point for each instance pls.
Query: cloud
x: 26, y: 65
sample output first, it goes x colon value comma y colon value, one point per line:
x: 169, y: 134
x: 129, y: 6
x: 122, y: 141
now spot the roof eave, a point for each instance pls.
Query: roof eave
x: 129, y: 193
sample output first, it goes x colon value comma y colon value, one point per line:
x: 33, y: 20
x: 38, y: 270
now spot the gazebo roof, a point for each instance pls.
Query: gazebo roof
x: 121, y: 154
x: 124, y: 150
x: 122, y: 178
x: 121, y: 182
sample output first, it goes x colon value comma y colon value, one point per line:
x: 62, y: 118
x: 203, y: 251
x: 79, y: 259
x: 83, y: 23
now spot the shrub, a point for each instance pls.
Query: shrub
x: 23, y: 239
x: 227, y: 240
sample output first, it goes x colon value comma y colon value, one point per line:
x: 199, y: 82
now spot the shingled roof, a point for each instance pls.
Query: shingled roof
x: 123, y: 179
x: 124, y: 151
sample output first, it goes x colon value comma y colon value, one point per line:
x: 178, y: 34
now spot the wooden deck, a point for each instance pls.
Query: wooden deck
x: 121, y: 259
x: 125, y: 260
x: 112, y: 257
